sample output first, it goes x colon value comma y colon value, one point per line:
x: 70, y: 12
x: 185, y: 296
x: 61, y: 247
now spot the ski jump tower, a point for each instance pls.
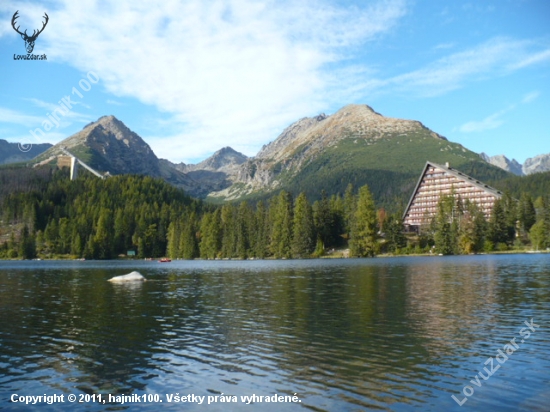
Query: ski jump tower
x: 75, y: 162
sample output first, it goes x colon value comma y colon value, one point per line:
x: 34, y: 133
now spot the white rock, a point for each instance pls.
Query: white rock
x: 130, y: 277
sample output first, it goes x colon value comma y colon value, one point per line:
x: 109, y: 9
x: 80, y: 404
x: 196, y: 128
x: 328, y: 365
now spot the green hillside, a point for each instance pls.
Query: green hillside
x: 390, y: 166
x: 537, y: 184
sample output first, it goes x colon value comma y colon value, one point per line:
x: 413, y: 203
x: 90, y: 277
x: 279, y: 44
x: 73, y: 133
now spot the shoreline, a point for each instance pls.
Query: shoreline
x: 73, y: 259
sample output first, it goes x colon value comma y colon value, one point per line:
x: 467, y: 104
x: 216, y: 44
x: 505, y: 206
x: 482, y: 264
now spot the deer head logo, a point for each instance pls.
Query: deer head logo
x: 29, y: 40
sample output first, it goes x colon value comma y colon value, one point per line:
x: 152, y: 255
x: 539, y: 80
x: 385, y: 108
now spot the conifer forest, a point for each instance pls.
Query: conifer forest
x: 43, y: 214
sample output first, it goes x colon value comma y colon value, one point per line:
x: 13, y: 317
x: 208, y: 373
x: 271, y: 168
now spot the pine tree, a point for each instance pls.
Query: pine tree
x: 281, y: 235
x: 539, y: 235
x: 76, y: 244
x: 338, y: 220
x: 498, y: 228
x: 540, y: 231
x: 27, y: 245
x: 210, y: 230
x: 51, y: 236
x: 324, y: 220
x: 364, y: 231
x: 119, y: 243
x: 260, y: 235
x: 349, y: 209
x: 228, y: 231
x: 188, y: 238
x: 153, y: 247
x: 393, y: 229
x: 510, y: 206
x: 242, y: 229
x: 526, y: 214
x: 303, y: 237
x: 39, y: 242
x: 103, y: 238
x: 173, y: 244
x: 446, y: 226
x: 443, y: 236
x: 64, y: 241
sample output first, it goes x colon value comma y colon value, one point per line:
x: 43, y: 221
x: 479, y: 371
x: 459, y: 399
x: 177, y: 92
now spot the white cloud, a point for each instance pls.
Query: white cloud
x: 114, y: 102
x: 63, y: 117
x: 496, y: 57
x: 226, y: 70
x: 530, y: 97
x: 51, y: 107
x: 490, y: 122
x: 444, y: 46
x: 15, y: 117
x: 495, y: 120
x: 9, y: 116
x: 531, y: 59
x: 236, y: 72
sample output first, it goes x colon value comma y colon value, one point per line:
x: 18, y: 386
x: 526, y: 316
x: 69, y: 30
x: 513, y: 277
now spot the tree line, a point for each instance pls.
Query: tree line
x: 47, y: 215
x: 282, y: 227
x: 460, y: 227
x: 102, y: 219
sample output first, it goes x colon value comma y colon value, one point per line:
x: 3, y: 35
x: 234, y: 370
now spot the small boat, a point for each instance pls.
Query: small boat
x: 164, y: 260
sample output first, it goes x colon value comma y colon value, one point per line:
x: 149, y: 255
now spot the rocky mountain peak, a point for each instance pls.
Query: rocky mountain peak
x: 114, y: 128
x: 313, y: 134
x: 110, y: 146
x: 537, y: 164
x: 504, y: 163
x: 224, y: 160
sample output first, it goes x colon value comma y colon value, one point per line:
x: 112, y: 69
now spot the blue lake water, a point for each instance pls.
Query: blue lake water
x: 396, y: 334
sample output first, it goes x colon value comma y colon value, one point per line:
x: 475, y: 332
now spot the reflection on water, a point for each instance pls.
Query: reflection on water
x: 382, y: 334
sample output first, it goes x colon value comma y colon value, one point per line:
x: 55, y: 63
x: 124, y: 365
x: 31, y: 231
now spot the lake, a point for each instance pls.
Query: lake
x: 396, y: 334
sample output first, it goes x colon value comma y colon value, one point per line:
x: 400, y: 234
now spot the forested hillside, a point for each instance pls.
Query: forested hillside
x: 44, y: 214
x: 536, y: 184
x: 88, y: 217
x: 390, y: 166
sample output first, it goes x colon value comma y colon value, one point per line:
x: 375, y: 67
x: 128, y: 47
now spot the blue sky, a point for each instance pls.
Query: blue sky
x: 193, y: 76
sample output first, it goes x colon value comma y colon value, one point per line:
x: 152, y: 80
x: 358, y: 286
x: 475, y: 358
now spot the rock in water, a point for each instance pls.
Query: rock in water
x: 130, y: 277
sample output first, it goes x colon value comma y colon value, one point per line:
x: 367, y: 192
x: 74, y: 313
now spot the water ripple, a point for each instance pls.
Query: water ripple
x: 384, y: 334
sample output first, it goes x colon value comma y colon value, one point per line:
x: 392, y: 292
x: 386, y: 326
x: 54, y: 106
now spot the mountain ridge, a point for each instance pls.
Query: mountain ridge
x: 536, y: 164
x: 325, y: 152
x: 15, y: 152
x: 108, y: 145
x: 307, y: 139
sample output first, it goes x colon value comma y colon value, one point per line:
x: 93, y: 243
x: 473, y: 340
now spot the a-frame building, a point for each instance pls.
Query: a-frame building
x: 437, y: 180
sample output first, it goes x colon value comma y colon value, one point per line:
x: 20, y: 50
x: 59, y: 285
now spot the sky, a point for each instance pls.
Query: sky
x: 193, y: 76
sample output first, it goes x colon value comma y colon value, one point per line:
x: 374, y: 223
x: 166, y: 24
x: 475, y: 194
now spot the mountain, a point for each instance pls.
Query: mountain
x: 214, y: 173
x: 537, y: 164
x: 354, y: 145
x: 107, y: 145
x: 224, y: 160
x: 14, y: 152
x: 512, y: 166
x: 326, y: 152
